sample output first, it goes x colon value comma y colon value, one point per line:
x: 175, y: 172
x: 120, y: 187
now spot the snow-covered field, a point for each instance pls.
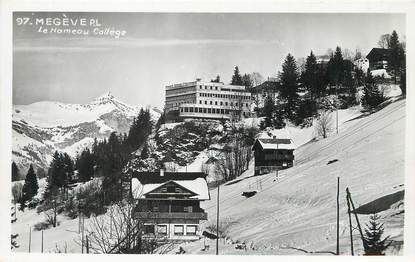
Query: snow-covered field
x: 298, y: 209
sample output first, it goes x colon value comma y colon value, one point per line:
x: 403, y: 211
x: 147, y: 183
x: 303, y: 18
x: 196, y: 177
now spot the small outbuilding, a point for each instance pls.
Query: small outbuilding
x: 272, y: 154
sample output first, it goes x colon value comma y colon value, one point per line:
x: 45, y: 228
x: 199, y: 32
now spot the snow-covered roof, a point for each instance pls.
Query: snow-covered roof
x: 276, y: 143
x: 197, y: 186
x: 275, y: 139
x: 278, y: 133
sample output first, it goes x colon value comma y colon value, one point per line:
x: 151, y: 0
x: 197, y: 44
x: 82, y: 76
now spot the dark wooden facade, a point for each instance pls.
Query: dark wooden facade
x: 276, y: 154
x: 169, y: 210
x: 378, y: 58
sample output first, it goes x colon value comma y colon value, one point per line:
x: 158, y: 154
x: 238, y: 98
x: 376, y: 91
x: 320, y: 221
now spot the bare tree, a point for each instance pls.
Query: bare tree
x: 235, y: 156
x: 384, y: 41
x: 348, y: 54
x: 323, y: 124
x: 118, y: 232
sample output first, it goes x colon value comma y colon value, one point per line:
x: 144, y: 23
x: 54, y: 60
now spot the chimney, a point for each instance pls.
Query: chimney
x: 161, y: 172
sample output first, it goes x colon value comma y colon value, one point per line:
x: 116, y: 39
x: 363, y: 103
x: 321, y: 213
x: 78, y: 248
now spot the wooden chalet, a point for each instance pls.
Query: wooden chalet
x: 168, y: 203
x: 378, y: 58
x: 272, y: 154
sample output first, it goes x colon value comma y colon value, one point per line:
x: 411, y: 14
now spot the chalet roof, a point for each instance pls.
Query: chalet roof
x: 378, y: 54
x: 156, y: 177
x: 275, y: 143
x: 197, y: 186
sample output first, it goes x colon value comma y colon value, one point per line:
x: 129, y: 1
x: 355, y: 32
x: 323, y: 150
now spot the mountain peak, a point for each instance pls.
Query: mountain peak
x: 104, y: 98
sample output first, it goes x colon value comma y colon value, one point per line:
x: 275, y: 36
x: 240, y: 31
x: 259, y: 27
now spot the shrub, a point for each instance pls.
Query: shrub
x: 46, y: 224
x: 224, y: 227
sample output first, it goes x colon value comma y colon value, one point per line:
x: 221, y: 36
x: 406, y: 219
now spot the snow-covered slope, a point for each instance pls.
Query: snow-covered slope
x: 298, y: 209
x: 42, y: 127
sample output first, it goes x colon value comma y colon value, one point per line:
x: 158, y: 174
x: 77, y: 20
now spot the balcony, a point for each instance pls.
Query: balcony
x: 167, y: 215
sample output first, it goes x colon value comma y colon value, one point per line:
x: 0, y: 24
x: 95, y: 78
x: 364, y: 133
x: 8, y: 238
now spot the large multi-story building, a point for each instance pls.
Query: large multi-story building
x: 206, y: 100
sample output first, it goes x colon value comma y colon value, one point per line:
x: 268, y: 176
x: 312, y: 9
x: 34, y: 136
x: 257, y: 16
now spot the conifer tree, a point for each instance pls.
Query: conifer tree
x: 140, y: 129
x: 310, y: 75
x: 15, y: 172
x: 268, y: 112
x: 372, y: 97
x: 236, y: 78
x: 85, y: 165
x: 402, y: 84
x: 216, y: 80
x: 395, y: 55
x: 30, y: 187
x: 247, y: 82
x: 145, y: 152
x: 161, y: 120
x: 289, y: 81
x: 374, y: 244
x: 335, y: 68
x: 68, y: 167
x: 273, y: 114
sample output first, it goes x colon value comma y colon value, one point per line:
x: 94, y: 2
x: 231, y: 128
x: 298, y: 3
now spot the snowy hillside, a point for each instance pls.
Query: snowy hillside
x: 43, y: 127
x: 298, y: 209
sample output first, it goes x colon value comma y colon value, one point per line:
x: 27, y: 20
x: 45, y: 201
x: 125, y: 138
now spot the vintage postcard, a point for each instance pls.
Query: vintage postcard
x: 206, y: 132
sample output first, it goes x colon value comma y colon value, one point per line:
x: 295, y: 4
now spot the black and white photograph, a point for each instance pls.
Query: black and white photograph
x: 207, y: 133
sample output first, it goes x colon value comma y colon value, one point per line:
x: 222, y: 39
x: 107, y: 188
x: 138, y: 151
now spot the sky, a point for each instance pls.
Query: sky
x: 159, y: 49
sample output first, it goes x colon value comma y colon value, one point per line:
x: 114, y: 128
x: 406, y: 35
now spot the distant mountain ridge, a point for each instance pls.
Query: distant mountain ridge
x: 43, y: 127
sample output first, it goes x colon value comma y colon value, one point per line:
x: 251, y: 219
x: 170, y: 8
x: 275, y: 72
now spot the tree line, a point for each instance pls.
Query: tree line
x: 300, y: 93
x: 106, y: 159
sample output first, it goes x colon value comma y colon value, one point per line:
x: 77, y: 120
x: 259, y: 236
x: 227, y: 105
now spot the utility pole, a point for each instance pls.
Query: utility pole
x: 30, y: 237
x: 337, y: 120
x: 338, y: 229
x: 42, y: 242
x: 217, y: 224
x: 82, y: 237
x: 357, y: 218
x: 350, y: 225
x: 337, y: 111
x: 87, y: 245
x: 277, y: 159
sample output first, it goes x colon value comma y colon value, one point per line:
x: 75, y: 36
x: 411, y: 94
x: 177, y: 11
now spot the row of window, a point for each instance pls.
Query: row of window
x: 186, y: 209
x: 208, y: 87
x: 180, y: 90
x: 204, y: 110
x: 225, y: 96
x: 184, y: 102
x: 178, y: 230
x: 209, y: 110
x: 221, y: 103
